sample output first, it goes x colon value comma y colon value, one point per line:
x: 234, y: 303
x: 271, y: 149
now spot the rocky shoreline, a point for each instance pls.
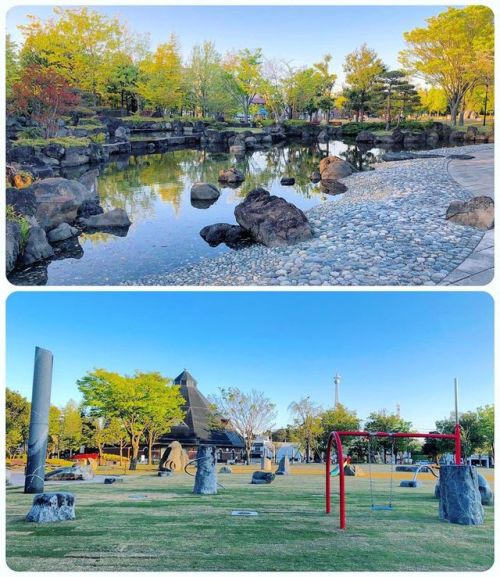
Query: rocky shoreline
x: 389, y: 228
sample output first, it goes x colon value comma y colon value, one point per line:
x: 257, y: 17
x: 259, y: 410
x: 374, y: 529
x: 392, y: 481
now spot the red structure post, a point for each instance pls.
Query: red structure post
x: 337, y: 437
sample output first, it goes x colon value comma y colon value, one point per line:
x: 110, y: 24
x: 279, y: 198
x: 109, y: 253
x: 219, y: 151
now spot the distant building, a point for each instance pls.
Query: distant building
x: 198, y: 427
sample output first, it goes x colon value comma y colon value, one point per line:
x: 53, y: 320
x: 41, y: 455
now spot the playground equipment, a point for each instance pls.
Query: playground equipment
x: 413, y: 483
x: 336, y: 437
x: 373, y: 506
x: 335, y: 470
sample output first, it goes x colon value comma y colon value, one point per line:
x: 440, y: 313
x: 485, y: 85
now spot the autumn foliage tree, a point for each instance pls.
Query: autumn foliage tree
x: 43, y: 95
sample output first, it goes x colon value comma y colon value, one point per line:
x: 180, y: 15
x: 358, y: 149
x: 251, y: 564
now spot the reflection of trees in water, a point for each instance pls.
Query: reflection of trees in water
x: 96, y: 237
x: 137, y: 185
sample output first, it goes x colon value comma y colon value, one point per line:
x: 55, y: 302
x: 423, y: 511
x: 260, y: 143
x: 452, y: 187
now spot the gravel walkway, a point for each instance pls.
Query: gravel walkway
x: 387, y: 229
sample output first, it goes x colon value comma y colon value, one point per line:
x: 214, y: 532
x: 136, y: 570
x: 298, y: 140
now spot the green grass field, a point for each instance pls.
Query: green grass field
x: 157, y: 524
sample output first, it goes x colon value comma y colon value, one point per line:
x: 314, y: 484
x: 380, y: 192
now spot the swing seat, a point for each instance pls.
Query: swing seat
x: 381, y: 507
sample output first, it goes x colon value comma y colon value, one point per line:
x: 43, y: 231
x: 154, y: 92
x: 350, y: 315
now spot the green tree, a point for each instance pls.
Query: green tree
x: 452, y: 51
x: 17, y: 420
x: 78, y: 44
x: 122, y: 81
x: 243, y: 76
x: 55, y: 430
x: 362, y: 68
x: 338, y: 419
x: 12, y: 66
x: 307, y: 424
x: 132, y: 399
x: 160, y: 84
x: 71, y: 427
x: 249, y: 414
x: 486, y: 417
x: 384, y: 421
x: 433, y: 101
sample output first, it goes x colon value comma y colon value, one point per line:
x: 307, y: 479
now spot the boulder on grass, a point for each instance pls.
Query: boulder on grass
x: 205, y: 482
x: 460, y: 499
x: 74, y: 473
x: 225, y: 470
x: 37, y: 247
x: 272, y: 220
x: 284, y: 466
x: 262, y: 478
x: 52, y: 507
x: 112, y: 480
x: 334, y: 168
x: 478, y: 212
x: 485, y: 490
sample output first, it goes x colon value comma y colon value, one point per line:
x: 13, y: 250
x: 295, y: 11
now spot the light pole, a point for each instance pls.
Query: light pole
x: 336, y: 381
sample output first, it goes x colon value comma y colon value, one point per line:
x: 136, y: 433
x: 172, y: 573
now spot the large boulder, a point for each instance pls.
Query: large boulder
x: 37, y: 247
x: 22, y: 154
x: 262, y: 478
x: 204, y: 191
x: 365, y: 136
x: 62, y: 232
x: 58, y: 200
x: 116, y: 218
x: 74, y: 473
x: 284, y: 466
x: 122, y: 134
x: 485, y: 490
x: 272, y: 220
x: 54, y: 150
x: 52, y: 507
x: 76, y: 156
x: 333, y: 168
x: 232, y: 235
x: 174, y: 458
x: 23, y: 200
x: 478, y: 212
x: 460, y: 499
x: 231, y: 175
x: 12, y: 244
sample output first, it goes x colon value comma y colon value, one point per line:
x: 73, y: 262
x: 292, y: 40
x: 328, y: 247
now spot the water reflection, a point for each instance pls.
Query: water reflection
x: 155, y: 191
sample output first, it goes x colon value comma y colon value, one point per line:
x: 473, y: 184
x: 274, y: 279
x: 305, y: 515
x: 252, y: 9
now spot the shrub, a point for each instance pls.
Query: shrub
x: 30, y: 132
x: 90, y: 122
x: 99, y: 138
x: 295, y: 122
x: 66, y: 141
x: 22, y: 221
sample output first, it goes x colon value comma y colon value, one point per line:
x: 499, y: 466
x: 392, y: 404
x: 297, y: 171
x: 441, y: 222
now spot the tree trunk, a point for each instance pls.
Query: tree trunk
x: 388, y: 119
x: 485, y: 112
x: 453, y: 111
x: 134, y: 441
x: 150, y: 449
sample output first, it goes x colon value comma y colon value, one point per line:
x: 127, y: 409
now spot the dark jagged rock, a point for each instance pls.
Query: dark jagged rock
x: 485, y: 490
x: 478, y: 212
x: 37, y: 247
x: 116, y: 218
x: 315, y: 176
x: 232, y: 235
x: 272, y: 220
x: 12, y: 244
x: 23, y: 200
x: 62, y: 232
x: 231, y: 176
x: 287, y: 181
x: 204, y: 191
x: 332, y: 187
x: 52, y: 507
x: 284, y: 466
x: 112, y: 480
x: 262, y: 478
x: 206, y: 476
x: 460, y: 499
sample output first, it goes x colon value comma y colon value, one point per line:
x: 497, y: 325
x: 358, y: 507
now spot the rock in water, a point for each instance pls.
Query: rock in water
x: 272, y: 220
x: 52, y: 507
x: 37, y: 248
x: 62, y: 232
x: 116, y: 218
x: 284, y: 466
x: 204, y: 191
x: 333, y: 168
x: 287, y: 181
x: 205, y: 482
x: 262, y: 478
x: 460, y: 499
x: 58, y: 200
x: 478, y: 212
x: 231, y: 175
x: 74, y: 473
x: 234, y: 236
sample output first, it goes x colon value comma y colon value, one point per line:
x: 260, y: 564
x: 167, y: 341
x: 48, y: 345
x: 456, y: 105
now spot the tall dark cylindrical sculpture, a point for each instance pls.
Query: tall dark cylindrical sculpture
x: 205, y: 482
x: 39, y: 421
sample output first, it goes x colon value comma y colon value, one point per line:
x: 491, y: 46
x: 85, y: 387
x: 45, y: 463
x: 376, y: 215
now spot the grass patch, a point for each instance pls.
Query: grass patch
x: 174, y: 530
x: 66, y: 141
x: 22, y: 221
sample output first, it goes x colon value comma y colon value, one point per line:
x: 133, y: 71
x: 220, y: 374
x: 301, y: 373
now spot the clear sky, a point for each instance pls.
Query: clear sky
x: 300, y: 35
x: 394, y: 347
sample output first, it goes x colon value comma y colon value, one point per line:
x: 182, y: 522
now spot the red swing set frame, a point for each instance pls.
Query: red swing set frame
x: 336, y: 436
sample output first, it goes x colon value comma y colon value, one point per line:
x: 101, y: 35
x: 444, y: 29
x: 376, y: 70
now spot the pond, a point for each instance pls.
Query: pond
x: 155, y: 191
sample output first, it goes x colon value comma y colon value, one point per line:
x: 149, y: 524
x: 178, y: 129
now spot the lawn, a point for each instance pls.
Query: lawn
x: 156, y: 524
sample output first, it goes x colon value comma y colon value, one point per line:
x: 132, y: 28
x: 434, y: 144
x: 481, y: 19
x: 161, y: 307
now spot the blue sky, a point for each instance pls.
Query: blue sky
x: 300, y: 35
x: 390, y: 347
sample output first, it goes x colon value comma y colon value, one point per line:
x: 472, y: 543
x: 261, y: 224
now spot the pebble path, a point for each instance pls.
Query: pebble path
x: 389, y: 228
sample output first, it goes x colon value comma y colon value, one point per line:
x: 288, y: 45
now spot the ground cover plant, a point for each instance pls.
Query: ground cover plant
x: 148, y: 523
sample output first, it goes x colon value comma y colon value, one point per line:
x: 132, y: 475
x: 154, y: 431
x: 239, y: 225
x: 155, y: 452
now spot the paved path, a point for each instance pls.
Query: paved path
x: 477, y: 176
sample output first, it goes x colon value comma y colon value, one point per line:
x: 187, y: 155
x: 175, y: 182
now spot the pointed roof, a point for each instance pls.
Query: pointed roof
x: 197, y: 428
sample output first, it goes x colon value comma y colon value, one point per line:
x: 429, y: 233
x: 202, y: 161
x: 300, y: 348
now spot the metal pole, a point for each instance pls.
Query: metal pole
x: 39, y: 421
x: 340, y: 457
x: 458, y: 445
x: 456, y: 402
